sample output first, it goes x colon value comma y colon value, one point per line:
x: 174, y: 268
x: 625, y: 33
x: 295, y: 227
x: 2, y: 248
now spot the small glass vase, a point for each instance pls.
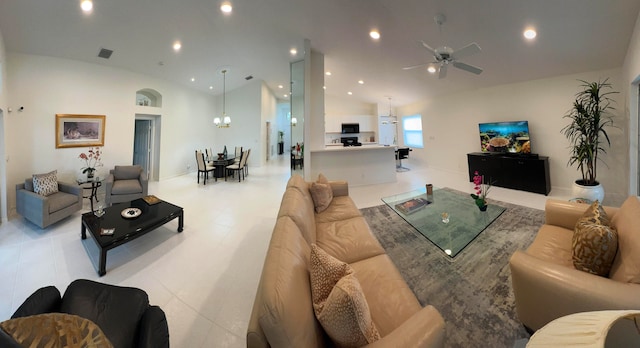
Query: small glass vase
x: 90, y: 173
x: 483, y: 208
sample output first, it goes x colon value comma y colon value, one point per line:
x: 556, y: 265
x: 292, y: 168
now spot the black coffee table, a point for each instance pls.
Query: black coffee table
x: 128, y: 229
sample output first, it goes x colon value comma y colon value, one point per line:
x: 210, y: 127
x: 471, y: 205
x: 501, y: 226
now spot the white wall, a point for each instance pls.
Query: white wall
x: 450, y: 127
x: 631, y: 81
x: 3, y: 114
x: 268, y: 113
x: 249, y: 108
x: 46, y: 86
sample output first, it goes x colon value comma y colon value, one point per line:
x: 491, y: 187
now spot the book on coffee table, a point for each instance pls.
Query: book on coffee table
x: 151, y: 199
x: 107, y: 231
x: 412, y: 205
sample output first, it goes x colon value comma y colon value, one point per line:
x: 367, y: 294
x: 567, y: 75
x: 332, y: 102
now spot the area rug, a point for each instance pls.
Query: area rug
x: 473, y: 291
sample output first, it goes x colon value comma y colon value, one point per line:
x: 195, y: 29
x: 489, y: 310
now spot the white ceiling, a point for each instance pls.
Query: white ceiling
x: 573, y: 36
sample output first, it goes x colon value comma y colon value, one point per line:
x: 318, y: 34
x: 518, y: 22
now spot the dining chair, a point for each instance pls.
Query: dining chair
x: 203, y: 167
x: 296, y: 160
x: 239, y: 167
x: 238, y: 153
x: 246, y: 163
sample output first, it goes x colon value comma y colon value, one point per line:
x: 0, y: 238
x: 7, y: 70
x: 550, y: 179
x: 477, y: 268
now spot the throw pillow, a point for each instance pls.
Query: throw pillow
x: 322, y: 179
x: 45, y: 184
x: 322, y: 195
x: 594, y: 243
x: 595, y: 214
x: 339, y: 302
x: 594, y: 248
x: 626, y: 266
x: 55, y: 330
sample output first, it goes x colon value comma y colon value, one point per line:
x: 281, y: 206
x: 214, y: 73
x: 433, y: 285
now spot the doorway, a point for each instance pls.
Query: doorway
x: 146, y: 144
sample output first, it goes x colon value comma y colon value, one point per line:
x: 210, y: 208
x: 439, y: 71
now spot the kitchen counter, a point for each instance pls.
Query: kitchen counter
x: 360, y: 165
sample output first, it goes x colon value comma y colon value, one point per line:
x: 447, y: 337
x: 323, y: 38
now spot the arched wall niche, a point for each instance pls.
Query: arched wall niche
x: 149, y: 97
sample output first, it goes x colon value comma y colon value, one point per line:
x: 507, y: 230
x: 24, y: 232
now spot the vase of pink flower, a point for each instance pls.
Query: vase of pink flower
x: 92, y: 160
x: 481, y: 191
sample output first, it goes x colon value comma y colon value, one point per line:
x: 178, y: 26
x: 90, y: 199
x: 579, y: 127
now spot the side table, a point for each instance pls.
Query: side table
x: 91, y: 184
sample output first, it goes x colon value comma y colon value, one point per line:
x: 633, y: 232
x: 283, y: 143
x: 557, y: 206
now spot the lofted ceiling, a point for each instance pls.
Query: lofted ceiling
x: 256, y: 38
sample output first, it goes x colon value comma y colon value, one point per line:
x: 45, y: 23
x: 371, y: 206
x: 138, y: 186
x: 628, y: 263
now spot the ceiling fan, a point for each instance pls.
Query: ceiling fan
x: 445, y: 56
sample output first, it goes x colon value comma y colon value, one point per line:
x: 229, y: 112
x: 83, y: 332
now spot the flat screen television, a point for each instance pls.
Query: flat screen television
x: 510, y: 137
x: 350, y: 128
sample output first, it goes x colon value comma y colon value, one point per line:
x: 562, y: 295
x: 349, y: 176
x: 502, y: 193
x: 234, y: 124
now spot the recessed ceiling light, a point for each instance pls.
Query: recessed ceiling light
x: 86, y: 6
x: 349, y: 93
x: 293, y: 51
x: 177, y: 46
x: 286, y: 96
x: 324, y: 87
x: 193, y: 79
x: 375, y: 34
x: 431, y: 69
x: 226, y: 7
x: 530, y: 34
x: 280, y: 86
x: 328, y: 73
x: 361, y: 82
x: 210, y: 87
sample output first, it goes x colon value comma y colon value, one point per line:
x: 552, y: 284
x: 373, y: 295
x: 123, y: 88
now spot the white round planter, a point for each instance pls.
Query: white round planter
x: 589, y: 192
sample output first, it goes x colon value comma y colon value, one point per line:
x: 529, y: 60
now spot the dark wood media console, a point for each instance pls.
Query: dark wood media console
x: 519, y: 172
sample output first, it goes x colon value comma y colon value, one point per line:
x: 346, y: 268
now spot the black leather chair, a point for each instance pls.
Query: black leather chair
x: 122, y: 313
x: 401, y: 153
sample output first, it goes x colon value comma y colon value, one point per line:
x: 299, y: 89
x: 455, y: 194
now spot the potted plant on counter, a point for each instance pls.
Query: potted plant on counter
x: 590, y: 116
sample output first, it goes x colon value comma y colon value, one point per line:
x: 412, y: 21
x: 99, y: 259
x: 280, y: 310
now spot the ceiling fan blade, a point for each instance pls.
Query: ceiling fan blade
x: 466, y: 51
x: 442, y: 72
x: 428, y: 48
x: 467, y: 67
x: 415, y: 66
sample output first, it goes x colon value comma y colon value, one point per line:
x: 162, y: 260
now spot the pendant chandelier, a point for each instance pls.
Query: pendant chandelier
x: 225, y: 122
x: 392, y: 119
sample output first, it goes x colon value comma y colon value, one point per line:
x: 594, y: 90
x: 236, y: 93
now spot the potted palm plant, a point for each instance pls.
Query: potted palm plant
x: 590, y: 115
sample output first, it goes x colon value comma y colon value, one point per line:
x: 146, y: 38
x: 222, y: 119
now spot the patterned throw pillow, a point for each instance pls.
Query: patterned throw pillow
x: 595, y: 214
x: 322, y: 179
x: 594, y: 243
x: 322, y: 195
x: 339, y: 302
x: 45, y: 184
x: 55, y: 330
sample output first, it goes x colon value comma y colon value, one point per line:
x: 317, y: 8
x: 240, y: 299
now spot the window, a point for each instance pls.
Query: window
x: 412, y: 131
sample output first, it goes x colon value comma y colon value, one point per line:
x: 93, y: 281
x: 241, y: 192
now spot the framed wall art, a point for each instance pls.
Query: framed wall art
x: 79, y: 130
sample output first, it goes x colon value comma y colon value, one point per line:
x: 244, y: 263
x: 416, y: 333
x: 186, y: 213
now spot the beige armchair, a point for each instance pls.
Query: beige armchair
x: 45, y: 210
x: 125, y: 183
x: 547, y: 286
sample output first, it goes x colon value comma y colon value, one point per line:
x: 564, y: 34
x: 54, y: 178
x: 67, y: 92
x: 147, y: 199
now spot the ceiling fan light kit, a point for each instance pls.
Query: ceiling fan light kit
x: 445, y: 55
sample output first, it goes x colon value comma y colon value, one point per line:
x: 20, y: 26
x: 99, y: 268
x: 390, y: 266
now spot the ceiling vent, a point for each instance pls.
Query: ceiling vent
x: 248, y: 77
x: 105, y: 53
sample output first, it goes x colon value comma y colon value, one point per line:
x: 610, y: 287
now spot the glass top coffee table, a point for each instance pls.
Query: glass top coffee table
x: 449, y: 220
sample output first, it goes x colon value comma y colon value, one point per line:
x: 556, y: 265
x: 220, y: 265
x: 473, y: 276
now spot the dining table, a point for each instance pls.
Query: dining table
x: 221, y: 163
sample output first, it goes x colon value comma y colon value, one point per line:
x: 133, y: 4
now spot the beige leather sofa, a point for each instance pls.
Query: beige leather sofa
x: 283, y: 313
x: 547, y: 286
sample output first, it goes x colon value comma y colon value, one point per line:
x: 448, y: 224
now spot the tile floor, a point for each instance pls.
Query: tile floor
x: 204, y: 278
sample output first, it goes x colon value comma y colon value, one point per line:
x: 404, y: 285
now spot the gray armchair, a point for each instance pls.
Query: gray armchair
x: 45, y: 210
x: 125, y: 183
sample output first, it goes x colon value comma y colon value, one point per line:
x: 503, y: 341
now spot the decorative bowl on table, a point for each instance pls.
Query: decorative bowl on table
x: 131, y: 213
